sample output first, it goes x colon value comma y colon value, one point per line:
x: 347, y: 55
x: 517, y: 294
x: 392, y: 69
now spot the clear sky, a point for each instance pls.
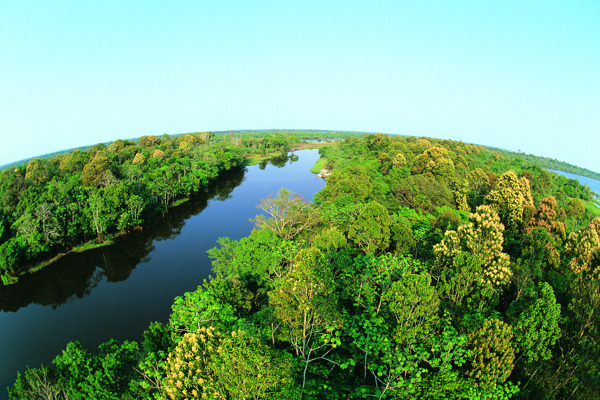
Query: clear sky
x: 520, y: 75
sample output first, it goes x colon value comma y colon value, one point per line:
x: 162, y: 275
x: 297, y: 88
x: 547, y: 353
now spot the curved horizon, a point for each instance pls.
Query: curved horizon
x: 225, y: 131
x: 513, y: 75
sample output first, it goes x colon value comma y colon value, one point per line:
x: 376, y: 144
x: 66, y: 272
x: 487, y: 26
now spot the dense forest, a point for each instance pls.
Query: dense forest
x: 302, y: 135
x: 82, y: 198
x: 552, y: 163
x: 52, y: 205
x: 251, y: 139
x: 424, y: 269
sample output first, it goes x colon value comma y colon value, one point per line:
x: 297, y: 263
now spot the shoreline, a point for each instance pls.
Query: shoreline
x: 81, y: 248
x: 250, y: 159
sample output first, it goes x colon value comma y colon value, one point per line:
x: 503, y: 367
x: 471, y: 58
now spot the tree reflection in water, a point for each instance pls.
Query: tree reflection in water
x: 76, y: 274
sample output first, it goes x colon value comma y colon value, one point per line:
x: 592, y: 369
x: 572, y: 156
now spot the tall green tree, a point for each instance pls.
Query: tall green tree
x: 97, y: 211
x: 306, y: 308
x: 288, y: 214
x: 371, y: 230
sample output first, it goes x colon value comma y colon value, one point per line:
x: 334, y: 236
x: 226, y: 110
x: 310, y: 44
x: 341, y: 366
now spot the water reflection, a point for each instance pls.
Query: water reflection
x: 279, y: 161
x: 116, y: 291
x: 76, y: 274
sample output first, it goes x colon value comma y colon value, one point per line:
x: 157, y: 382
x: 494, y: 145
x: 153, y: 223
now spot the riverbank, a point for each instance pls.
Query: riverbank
x: 109, y: 239
x: 592, y: 205
x: 303, y: 146
x: 257, y: 158
x: 81, y: 248
x: 116, y: 291
x: 251, y: 159
x: 319, y: 165
x: 254, y: 159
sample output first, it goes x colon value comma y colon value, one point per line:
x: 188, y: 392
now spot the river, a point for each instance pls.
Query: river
x: 594, y: 184
x: 116, y: 291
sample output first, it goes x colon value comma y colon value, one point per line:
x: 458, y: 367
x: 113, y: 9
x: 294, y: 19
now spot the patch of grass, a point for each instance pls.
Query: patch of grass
x: 179, y: 202
x: 594, y: 207
x: 77, y: 249
x: 319, y: 165
x: 91, y: 245
x: 9, y: 280
x: 256, y: 159
x: 252, y: 159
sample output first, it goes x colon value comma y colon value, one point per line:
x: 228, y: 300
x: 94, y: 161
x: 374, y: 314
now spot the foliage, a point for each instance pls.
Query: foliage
x: 492, y: 354
x: 546, y: 216
x: 217, y: 303
x: 535, y: 320
x: 79, y: 374
x: 304, y: 305
x: 371, y: 230
x: 435, y: 160
x: 386, y: 287
x: 509, y: 197
x: 59, y: 203
x: 482, y: 237
x: 582, y: 245
x: 289, y: 214
x: 236, y: 366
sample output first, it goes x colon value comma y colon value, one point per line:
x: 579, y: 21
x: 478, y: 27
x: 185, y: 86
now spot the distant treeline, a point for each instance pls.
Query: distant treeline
x: 551, y: 163
x: 299, y: 134
x: 315, y: 134
x: 296, y: 135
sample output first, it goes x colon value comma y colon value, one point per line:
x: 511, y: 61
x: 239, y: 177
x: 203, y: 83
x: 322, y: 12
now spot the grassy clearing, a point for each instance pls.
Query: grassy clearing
x: 252, y: 159
x: 593, y: 206
x: 256, y: 159
x: 319, y: 165
x: 179, y: 202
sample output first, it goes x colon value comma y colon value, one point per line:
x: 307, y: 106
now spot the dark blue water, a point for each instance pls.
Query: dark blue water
x: 116, y: 291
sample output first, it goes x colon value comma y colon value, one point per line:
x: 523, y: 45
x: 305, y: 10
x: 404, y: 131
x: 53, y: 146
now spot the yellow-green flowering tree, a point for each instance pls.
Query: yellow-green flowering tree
x: 482, y: 236
x: 509, y: 197
x: 493, y: 354
x: 207, y: 364
x: 435, y: 160
x: 581, y: 245
x: 399, y: 160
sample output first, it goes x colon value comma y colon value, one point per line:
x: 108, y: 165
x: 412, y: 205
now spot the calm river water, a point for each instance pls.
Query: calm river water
x: 116, y: 291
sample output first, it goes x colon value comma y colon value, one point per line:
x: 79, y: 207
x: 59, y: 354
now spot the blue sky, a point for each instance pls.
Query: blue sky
x: 511, y: 74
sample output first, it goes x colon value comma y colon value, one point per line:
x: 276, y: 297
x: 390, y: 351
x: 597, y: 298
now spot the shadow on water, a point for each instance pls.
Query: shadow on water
x: 116, y: 291
x: 76, y: 274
